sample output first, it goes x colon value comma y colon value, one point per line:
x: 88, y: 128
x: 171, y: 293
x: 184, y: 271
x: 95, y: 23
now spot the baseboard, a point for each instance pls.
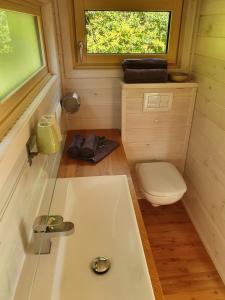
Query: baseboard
x: 199, y: 216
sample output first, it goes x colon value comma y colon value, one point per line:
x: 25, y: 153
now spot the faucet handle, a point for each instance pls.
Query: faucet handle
x: 41, y: 223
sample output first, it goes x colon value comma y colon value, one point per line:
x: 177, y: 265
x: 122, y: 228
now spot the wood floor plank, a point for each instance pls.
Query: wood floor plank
x: 179, y: 252
x: 191, y: 283
x: 172, y: 237
x: 215, y: 294
x: 179, y: 267
x: 166, y: 219
x: 185, y: 269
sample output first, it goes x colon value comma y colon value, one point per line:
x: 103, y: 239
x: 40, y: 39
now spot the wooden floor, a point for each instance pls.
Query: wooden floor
x: 185, y: 269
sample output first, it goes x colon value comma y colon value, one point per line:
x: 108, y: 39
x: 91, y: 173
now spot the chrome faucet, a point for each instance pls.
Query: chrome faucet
x: 46, y: 227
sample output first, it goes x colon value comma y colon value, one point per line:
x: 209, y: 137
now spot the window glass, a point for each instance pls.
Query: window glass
x: 124, y: 32
x: 20, y: 49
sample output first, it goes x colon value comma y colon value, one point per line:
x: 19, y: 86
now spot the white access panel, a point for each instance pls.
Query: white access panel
x: 157, y: 102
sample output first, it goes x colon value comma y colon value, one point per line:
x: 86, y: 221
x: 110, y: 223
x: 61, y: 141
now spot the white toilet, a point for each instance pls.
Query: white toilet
x: 160, y: 182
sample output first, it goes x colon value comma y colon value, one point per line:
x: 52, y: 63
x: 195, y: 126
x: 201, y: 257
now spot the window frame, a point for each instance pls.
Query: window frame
x: 100, y: 60
x: 14, y: 104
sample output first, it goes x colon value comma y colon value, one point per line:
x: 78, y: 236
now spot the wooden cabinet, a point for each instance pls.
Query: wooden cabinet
x: 157, y: 135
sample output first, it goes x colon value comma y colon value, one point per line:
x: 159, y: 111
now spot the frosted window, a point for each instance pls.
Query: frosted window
x: 20, y: 50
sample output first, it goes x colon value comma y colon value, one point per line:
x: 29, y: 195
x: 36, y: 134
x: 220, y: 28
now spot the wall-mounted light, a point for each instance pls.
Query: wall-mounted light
x: 70, y: 103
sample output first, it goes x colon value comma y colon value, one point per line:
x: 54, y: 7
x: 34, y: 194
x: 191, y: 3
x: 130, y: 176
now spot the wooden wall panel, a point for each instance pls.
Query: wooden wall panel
x: 100, y: 99
x: 205, y: 168
x: 159, y: 136
x: 212, y: 27
x: 100, y: 103
x: 213, y: 69
x: 97, y: 80
x: 210, y: 235
x: 212, y: 7
x: 204, y: 47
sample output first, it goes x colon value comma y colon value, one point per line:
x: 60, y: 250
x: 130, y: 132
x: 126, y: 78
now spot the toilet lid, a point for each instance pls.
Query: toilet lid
x: 160, y: 179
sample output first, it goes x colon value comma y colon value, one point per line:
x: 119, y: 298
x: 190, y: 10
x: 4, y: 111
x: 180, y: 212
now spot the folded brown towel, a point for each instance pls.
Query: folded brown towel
x: 145, y: 75
x: 145, y: 63
x: 89, y: 146
x: 74, y: 148
x: 104, y: 149
x: 93, y: 148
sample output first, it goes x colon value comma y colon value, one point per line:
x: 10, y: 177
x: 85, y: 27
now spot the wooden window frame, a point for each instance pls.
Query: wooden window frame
x: 14, y: 104
x: 101, y: 60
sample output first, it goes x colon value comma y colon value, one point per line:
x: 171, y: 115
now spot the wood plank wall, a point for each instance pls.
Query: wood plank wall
x: 205, y: 168
x: 159, y: 136
x: 99, y: 89
x: 100, y: 103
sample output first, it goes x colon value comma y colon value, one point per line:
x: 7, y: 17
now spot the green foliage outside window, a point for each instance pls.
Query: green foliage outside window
x: 121, y: 32
x: 5, y: 38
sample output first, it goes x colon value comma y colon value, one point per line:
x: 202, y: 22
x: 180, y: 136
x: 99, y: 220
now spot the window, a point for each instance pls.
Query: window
x: 106, y: 32
x: 20, y: 50
x: 149, y: 32
x: 23, y: 70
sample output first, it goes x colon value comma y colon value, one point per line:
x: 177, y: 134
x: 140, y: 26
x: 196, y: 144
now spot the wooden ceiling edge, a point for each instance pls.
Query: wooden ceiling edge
x: 36, y: 3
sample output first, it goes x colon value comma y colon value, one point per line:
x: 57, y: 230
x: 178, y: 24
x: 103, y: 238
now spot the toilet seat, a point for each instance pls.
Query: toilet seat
x: 160, y: 182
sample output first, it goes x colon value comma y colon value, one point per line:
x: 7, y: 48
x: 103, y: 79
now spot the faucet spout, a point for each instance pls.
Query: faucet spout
x: 47, y: 227
x: 63, y: 229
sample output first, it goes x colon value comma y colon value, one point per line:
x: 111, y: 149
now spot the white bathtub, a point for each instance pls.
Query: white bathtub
x: 105, y: 225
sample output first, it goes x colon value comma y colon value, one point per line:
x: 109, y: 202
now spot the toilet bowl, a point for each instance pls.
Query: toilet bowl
x: 160, y: 183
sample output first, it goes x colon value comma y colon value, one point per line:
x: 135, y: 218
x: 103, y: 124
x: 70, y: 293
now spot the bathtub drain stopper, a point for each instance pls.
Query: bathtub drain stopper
x: 100, y: 265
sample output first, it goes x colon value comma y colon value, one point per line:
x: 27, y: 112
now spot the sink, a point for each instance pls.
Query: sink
x: 105, y: 226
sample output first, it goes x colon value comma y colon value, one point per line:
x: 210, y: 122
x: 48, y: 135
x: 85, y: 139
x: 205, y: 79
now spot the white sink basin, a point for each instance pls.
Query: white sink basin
x: 105, y: 225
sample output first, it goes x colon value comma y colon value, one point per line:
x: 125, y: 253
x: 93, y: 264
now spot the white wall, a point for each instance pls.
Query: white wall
x: 205, y: 169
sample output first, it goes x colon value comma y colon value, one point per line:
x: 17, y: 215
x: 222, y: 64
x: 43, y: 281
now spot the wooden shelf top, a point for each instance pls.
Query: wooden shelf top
x: 164, y: 85
x: 114, y: 164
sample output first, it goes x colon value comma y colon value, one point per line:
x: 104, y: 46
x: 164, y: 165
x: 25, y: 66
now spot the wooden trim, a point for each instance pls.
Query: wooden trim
x: 127, y: 4
x: 167, y: 85
x: 10, y: 113
x: 36, y: 2
x: 49, y: 37
x: 15, y: 103
x: 123, y: 114
x: 190, y: 121
x: 12, y: 101
x: 65, y: 27
x: 21, y: 7
x: 42, y: 40
x: 188, y: 32
x: 78, y: 29
x: 72, y: 32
